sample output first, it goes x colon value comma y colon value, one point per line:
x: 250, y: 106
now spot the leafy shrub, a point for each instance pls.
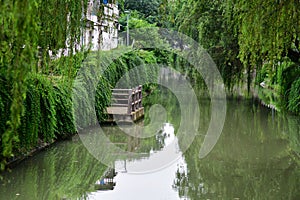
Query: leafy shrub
x: 294, y: 97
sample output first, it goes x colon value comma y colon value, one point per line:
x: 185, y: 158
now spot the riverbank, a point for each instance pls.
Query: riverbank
x: 48, y: 105
x: 13, y: 162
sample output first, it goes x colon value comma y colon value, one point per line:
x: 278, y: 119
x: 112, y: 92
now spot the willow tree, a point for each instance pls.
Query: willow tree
x: 269, y: 40
x: 207, y: 23
x: 268, y: 30
x: 259, y: 39
x: 147, y: 8
x: 29, y: 29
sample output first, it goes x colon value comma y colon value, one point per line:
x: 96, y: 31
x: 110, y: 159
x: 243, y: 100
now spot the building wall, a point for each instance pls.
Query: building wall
x: 101, y: 32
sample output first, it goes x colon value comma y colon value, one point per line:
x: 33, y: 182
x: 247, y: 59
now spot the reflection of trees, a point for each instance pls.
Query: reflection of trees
x: 65, y: 171
x: 255, y: 158
x: 134, y: 144
x: 166, y: 99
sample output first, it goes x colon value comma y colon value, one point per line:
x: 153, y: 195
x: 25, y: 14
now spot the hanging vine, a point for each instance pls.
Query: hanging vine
x: 29, y: 29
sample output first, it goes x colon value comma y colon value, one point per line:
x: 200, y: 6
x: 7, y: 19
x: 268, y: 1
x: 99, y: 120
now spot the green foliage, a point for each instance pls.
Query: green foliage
x: 290, y: 73
x: 84, y: 89
x: 39, y: 119
x: 103, y: 96
x: 139, y: 23
x: 66, y: 66
x: 29, y: 129
x: 64, y: 111
x: 279, y: 79
x: 135, y: 21
x: 148, y: 9
x: 208, y: 23
x: 94, y: 82
x: 49, y: 107
x: 244, y: 38
x: 294, y: 97
x: 29, y: 29
x: 267, y: 29
x: 5, y: 102
x: 17, y: 56
x: 268, y: 33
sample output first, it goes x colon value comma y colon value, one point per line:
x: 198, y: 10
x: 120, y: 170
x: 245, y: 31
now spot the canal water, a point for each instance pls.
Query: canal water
x: 256, y: 157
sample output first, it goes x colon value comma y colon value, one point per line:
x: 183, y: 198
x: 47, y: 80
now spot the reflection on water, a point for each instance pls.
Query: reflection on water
x: 157, y: 185
x: 256, y: 157
x: 156, y: 158
x: 68, y: 171
x: 107, y: 180
x: 64, y: 171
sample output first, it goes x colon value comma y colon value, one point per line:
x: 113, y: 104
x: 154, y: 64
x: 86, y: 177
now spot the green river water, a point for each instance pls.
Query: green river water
x: 256, y: 157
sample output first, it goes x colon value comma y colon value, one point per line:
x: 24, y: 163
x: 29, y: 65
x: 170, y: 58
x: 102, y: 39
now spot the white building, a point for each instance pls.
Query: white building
x: 101, y: 31
x: 102, y: 28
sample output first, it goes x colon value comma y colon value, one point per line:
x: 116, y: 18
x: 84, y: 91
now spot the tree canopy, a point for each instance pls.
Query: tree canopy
x: 29, y: 29
x: 149, y: 9
x: 259, y: 39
